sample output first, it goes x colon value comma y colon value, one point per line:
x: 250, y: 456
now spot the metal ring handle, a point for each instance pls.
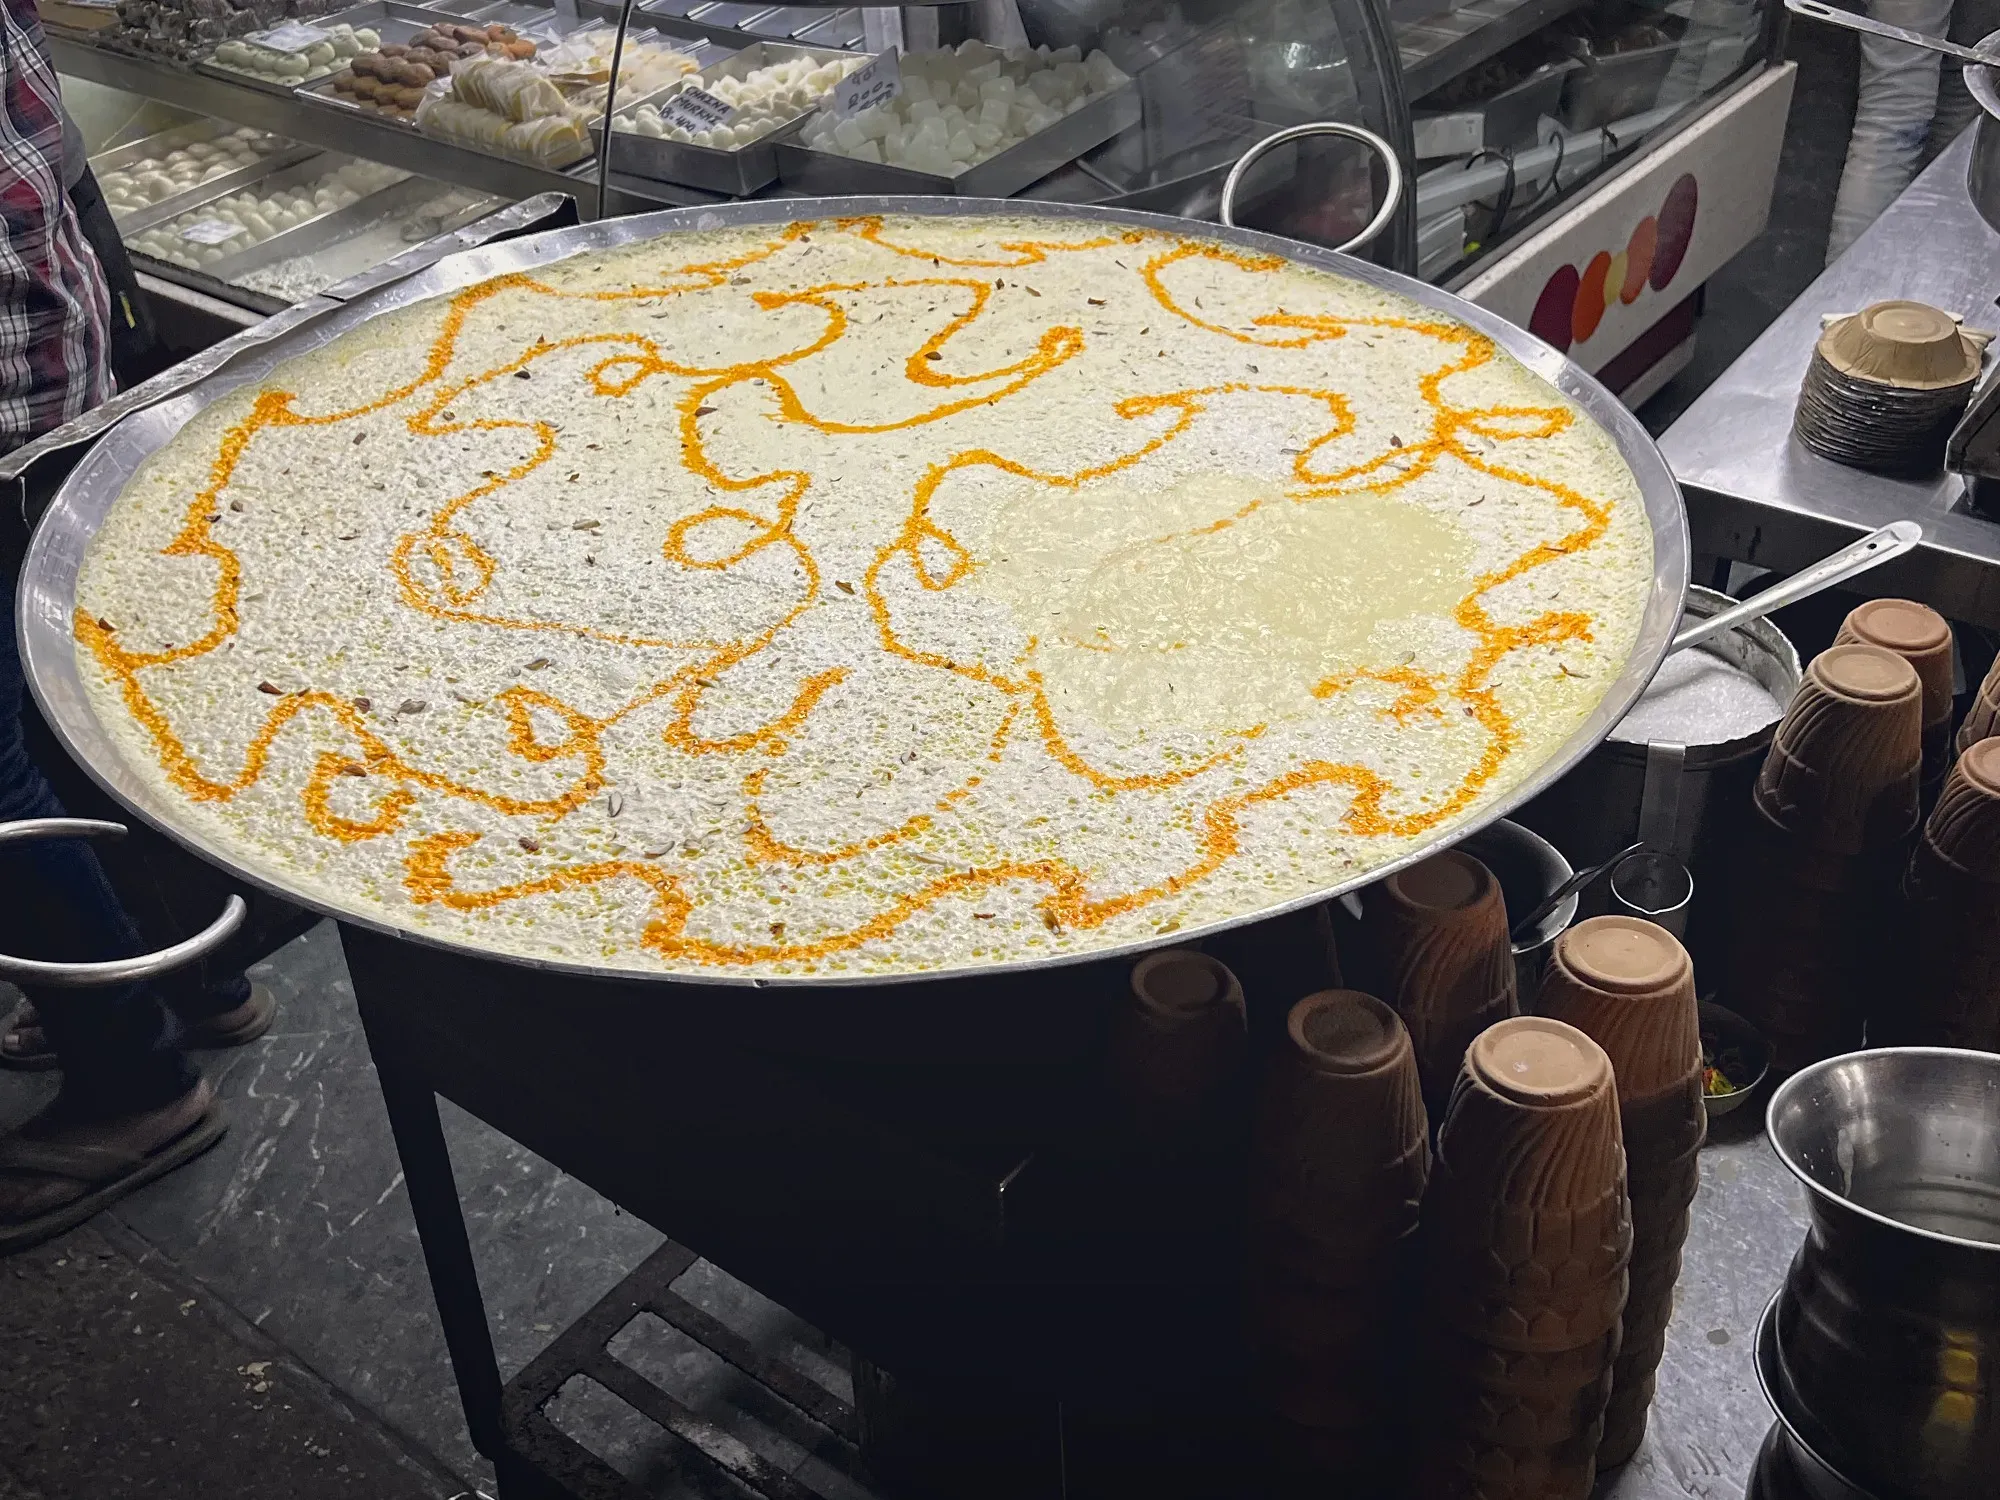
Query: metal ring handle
x: 1392, y: 197
x: 117, y: 970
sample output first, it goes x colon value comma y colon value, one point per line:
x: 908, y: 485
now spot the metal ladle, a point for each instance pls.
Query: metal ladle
x: 1851, y: 21
x: 1563, y: 892
x: 1871, y: 551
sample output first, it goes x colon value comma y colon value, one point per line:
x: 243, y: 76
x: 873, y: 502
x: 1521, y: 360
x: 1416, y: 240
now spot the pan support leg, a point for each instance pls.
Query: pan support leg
x: 413, y: 1118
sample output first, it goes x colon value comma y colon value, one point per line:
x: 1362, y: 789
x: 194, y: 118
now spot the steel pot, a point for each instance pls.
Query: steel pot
x: 1888, y: 1325
x: 1982, y: 173
x: 1788, y: 1466
x: 1686, y: 800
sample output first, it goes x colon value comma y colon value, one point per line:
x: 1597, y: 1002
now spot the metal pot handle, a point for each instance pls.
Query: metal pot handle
x: 1391, y: 163
x: 117, y: 970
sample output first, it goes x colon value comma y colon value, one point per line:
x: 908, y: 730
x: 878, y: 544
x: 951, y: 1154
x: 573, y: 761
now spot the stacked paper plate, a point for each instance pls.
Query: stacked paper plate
x: 1886, y: 386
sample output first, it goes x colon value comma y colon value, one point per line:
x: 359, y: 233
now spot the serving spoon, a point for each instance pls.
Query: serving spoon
x: 1871, y: 551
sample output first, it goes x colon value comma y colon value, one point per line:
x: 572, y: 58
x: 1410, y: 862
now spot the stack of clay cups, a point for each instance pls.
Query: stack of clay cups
x: 1527, y: 1235
x: 1953, y: 890
x: 1834, y: 809
x: 1982, y: 720
x: 1175, y: 1047
x: 1437, y: 933
x: 1629, y: 986
x: 1339, y: 1160
x: 1920, y: 635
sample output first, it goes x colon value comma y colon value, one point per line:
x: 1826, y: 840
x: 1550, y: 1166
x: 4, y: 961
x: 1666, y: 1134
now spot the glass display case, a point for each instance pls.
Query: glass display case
x: 1581, y: 165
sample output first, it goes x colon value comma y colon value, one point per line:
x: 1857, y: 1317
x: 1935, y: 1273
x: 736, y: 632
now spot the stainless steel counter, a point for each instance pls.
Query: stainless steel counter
x: 1755, y: 496
x: 1708, y: 1415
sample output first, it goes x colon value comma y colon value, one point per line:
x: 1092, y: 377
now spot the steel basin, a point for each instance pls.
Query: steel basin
x: 1888, y: 1325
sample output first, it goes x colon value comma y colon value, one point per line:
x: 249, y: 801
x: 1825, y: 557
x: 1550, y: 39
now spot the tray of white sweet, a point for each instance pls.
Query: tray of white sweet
x: 149, y: 181
x: 285, y: 57
x: 294, y: 202
x: 974, y: 120
x: 764, y: 88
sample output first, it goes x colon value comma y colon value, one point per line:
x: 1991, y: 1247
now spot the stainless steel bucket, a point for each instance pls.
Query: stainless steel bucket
x: 1888, y: 1325
x: 1686, y: 800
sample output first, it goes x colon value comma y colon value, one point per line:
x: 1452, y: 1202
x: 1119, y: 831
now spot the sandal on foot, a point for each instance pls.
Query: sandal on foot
x: 98, y: 1164
x: 25, y: 1047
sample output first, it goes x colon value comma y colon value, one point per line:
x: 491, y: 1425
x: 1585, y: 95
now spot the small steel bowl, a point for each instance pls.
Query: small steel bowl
x: 1730, y: 1030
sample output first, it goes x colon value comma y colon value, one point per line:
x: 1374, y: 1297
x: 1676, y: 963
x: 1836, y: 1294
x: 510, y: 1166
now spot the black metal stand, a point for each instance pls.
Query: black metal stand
x: 914, y: 1170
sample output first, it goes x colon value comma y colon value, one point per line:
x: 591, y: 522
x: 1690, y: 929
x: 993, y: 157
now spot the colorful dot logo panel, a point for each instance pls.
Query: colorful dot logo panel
x: 1573, y: 304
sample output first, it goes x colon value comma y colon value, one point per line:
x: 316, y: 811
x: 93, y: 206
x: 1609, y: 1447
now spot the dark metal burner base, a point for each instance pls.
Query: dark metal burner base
x: 544, y: 1461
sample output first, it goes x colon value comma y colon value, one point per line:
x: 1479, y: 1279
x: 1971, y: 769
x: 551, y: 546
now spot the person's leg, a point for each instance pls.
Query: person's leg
x: 118, y: 1043
x: 1892, y: 118
x: 132, y: 1106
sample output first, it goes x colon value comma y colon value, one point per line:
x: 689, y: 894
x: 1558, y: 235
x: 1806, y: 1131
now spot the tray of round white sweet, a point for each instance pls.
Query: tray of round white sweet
x: 289, y: 56
x: 767, y: 87
x: 973, y: 120
x: 284, y: 213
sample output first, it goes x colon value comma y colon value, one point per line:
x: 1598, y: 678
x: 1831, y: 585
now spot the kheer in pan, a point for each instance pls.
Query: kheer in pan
x: 862, y: 597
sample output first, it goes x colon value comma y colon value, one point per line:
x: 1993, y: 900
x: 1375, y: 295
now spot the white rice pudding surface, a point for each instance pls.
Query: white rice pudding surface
x: 862, y: 597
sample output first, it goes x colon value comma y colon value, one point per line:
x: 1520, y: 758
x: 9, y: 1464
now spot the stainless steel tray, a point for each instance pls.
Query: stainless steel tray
x: 296, y: 175
x: 373, y: 13
x: 1002, y: 176
x: 267, y: 173
x: 325, y: 229
x: 742, y: 171
x: 121, y: 157
x: 842, y: 29
x: 395, y: 22
x: 724, y: 22
x: 243, y: 78
x: 47, y: 596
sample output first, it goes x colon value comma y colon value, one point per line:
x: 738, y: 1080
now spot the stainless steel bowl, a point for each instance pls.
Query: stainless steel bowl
x: 1888, y: 1325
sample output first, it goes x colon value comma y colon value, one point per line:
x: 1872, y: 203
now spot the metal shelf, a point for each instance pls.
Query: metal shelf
x: 1439, y: 48
x: 354, y: 133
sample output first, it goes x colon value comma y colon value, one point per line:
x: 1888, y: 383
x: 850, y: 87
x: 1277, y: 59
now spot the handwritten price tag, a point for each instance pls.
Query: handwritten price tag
x: 210, y: 231
x: 290, y: 37
x: 876, y: 81
x: 696, y: 109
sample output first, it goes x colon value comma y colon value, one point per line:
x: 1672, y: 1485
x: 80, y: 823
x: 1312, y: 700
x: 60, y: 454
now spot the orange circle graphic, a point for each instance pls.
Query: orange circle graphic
x: 1589, y: 309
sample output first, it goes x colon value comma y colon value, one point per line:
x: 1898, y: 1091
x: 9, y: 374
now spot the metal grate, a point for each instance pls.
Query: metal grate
x: 707, y: 1458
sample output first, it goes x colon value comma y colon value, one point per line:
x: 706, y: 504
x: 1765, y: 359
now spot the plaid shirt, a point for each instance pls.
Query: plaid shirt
x: 55, y: 312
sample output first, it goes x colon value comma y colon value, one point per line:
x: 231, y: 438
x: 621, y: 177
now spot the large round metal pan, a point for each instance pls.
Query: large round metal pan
x: 48, y: 583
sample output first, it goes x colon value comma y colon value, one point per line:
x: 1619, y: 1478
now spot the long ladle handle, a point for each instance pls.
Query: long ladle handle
x: 1853, y: 21
x: 1871, y: 551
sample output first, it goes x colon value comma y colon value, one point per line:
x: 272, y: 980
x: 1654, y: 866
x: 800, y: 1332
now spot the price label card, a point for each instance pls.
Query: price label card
x: 876, y: 81
x: 1448, y: 135
x: 696, y: 109
x: 293, y: 36
x: 210, y: 231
